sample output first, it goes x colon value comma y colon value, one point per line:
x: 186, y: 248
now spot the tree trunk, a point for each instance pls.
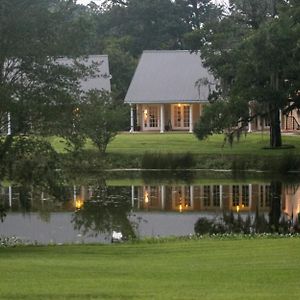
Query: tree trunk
x: 275, y: 206
x: 275, y: 128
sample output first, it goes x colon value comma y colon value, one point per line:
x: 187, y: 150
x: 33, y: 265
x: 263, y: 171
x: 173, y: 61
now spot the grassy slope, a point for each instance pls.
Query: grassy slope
x: 172, y: 142
x: 205, y: 269
x: 180, y: 143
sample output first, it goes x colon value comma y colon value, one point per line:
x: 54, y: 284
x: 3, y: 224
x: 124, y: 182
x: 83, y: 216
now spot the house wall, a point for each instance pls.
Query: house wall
x: 168, y: 115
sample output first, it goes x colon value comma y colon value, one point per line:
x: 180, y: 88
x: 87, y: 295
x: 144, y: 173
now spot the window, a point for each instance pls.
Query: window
x: 235, y: 195
x: 245, y: 195
x: 206, y: 195
x: 216, y: 195
x: 151, y: 117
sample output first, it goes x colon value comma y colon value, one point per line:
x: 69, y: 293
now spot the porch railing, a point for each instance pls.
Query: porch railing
x: 291, y: 123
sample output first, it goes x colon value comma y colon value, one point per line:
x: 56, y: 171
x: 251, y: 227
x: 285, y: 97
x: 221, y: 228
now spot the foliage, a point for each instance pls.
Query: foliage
x: 33, y: 84
x: 106, y: 211
x: 101, y: 119
x: 121, y: 64
x: 253, y: 50
x: 167, y: 161
x: 9, y: 241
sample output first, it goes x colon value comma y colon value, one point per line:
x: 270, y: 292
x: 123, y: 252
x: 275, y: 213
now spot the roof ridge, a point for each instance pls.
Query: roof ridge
x: 151, y: 51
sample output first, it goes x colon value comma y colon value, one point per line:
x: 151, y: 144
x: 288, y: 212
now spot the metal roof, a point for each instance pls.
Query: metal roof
x: 100, y: 79
x: 170, y: 76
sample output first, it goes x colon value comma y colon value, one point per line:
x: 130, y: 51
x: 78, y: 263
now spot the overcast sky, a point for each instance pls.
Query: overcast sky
x: 99, y: 1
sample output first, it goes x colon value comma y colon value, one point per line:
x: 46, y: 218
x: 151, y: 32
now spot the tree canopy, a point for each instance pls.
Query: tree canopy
x: 33, y: 34
x: 254, y: 51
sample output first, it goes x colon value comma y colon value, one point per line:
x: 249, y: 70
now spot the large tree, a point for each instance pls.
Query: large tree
x: 34, y: 34
x: 253, y: 51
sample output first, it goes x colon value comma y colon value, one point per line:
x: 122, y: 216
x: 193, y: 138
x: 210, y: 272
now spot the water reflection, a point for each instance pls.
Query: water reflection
x: 103, y: 210
x: 91, y: 212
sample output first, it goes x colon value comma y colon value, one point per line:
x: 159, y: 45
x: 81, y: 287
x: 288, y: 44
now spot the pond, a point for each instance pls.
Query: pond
x: 152, y: 204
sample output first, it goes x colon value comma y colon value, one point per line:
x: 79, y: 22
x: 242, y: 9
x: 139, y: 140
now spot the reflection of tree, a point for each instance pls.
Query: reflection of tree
x: 276, y: 223
x: 107, y: 210
x: 2, y: 213
x: 275, y: 211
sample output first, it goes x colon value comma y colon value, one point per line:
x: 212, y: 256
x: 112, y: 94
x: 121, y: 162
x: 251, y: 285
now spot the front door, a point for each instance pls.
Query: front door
x: 151, y: 117
x: 181, y: 116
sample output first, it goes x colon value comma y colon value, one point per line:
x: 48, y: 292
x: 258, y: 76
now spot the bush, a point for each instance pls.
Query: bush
x: 168, y: 161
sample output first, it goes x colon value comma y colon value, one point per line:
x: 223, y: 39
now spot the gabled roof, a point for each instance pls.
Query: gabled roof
x: 100, y: 79
x: 170, y: 76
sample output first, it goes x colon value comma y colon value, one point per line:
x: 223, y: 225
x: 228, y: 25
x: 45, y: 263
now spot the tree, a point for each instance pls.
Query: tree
x: 151, y: 24
x: 107, y: 210
x: 101, y: 119
x: 253, y: 51
x: 33, y: 34
x: 121, y: 64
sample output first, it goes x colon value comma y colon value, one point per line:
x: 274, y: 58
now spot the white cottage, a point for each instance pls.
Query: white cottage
x: 168, y: 91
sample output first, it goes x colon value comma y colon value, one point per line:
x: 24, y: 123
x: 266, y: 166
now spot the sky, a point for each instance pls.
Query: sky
x: 99, y: 1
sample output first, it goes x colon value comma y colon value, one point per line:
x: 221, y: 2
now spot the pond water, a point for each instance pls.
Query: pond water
x: 151, y: 205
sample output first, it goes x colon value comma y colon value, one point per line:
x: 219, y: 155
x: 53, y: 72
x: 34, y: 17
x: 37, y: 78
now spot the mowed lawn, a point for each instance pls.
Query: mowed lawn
x: 201, y: 269
x: 183, y: 142
x: 139, y: 143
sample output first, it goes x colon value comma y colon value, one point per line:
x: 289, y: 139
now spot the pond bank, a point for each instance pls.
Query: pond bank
x: 283, y: 163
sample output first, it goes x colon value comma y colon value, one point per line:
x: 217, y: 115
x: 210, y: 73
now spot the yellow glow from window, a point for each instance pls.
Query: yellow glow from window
x: 146, y: 197
x: 79, y: 203
x: 180, y: 208
x: 179, y: 105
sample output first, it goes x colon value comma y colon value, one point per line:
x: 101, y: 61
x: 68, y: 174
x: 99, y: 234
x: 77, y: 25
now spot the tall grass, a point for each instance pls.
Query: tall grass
x: 171, y: 161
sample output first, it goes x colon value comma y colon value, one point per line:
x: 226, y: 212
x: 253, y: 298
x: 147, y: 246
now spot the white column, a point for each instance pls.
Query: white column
x: 192, y: 196
x: 163, y: 197
x: 162, y: 118
x: 132, y: 196
x: 131, y: 119
x: 280, y: 119
x: 191, y: 118
x: 250, y: 195
x: 249, y: 123
x: 221, y: 196
x: 10, y: 196
x: 74, y: 195
x: 8, y: 124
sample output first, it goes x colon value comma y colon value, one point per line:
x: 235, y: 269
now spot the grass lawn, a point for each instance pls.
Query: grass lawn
x: 203, y: 269
x: 139, y: 143
x: 179, y: 143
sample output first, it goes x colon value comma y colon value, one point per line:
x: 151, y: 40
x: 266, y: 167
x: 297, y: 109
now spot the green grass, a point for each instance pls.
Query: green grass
x: 140, y: 143
x: 181, y: 143
x: 172, y: 150
x: 201, y: 269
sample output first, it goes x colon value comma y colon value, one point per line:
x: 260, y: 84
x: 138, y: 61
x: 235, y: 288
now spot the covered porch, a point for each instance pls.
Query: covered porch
x: 165, y: 117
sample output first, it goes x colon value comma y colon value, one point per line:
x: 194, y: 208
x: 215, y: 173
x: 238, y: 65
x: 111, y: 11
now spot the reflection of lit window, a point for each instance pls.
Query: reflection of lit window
x: 216, y: 195
x: 261, y: 196
x: 265, y: 195
x: 146, y: 196
x: 245, y: 195
x: 181, y: 197
x: 151, y: 196
x: 79, y: 203
x: 268, y: 195
x: 235, y: 195
x: 206, y: 195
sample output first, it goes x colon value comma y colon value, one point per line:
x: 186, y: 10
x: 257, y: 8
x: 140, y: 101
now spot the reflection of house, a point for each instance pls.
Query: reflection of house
x: 168, y: 91
x: 213, y: 198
